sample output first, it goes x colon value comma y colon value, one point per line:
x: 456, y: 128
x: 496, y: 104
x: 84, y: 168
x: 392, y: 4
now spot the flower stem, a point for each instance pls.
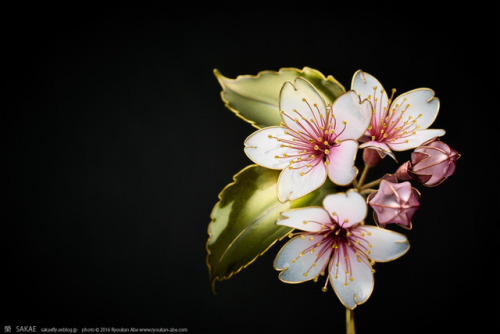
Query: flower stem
x: 349, y: 321
x: 367, y: 191
x: 362, y: 178
x: 355, y: 183
x: 371, y: 184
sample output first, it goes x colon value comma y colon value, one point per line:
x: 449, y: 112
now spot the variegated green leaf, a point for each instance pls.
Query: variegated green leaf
x: 255, y: 99
x: 243, y: 224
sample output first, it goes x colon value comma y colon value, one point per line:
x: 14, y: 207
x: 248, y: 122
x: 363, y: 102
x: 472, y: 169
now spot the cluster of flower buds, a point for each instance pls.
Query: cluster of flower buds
x: 395, y: 203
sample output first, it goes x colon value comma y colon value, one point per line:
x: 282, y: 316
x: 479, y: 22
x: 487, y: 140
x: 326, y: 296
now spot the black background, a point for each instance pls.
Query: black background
x: 115, y: 144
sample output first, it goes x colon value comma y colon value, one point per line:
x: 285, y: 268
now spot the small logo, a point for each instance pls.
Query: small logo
x: 7, y: 329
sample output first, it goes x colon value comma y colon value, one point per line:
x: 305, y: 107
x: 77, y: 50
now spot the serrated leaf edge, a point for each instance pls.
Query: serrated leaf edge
x: 234, y: 272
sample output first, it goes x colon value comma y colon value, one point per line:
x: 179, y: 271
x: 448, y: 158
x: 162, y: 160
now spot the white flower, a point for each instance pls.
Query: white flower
x: 313, y: 141
x: 334, y: 240
x: 397, y: 125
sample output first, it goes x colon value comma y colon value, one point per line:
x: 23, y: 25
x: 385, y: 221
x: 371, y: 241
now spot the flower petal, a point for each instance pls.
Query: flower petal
x: 449, y: 172
x: 385, y: 204
x: 307, y: 219
x: 341, y: 169
x: 352, y: 116
x: 381, y: 147
x: 299, y: 103
x: 351, y: 279
x: 302, y: 258
x: 364, y: 83
x: 263, y: 146
x: 414, y: 139
x: 423, y: 106
x: 385, y: 245
x: 292, y: 185
x: 346, y: 208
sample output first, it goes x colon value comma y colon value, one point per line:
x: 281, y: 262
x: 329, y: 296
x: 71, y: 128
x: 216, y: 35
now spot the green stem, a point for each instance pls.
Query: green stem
x: 367, y: 191
x: 362, y: 178
x: 371, y: 184
x: 355, y: 183
x: 349, y: 321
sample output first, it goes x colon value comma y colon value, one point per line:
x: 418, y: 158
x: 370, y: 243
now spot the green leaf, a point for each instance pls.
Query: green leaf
x: 243, y: 221
x: 255, y: 99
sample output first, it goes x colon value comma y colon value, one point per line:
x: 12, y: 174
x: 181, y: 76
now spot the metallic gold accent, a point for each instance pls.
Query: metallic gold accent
x: 282, y: 270
x: 349, y: 321
x: 217, y: 278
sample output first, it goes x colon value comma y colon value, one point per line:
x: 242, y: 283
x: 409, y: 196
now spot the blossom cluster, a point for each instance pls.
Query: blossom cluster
x: 317, y: 141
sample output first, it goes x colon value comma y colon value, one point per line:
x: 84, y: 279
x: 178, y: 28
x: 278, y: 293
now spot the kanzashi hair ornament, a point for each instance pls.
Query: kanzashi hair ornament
x: 305, y: 183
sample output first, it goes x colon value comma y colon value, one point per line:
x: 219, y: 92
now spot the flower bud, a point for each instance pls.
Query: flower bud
x: 430, y: 164
x: 403, y: 172
x: 394, y: 203
x: 371, y: 157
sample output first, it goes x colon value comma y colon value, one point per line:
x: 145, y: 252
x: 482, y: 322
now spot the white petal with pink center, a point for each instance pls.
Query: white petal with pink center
x: 384, y: 245
x: 381, y: 147
x: 418, y: 104
x: 301, y: 102
x: 401, y: 124
x: 415, y: 139
x: 293, y: 183
x: 364, y: 85
x: 303, y: 258
x: 265, y: 145
x: 306, y: 219
x: 347, y: 209
x: 314, y: 140
x: 347, y: 248
x: 351, y: 279
x: 350, y: 117
x: 341, y: 169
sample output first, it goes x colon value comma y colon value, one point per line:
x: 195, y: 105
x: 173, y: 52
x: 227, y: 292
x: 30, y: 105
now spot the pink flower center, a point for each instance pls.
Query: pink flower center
x: 310, y: 140
x: 342, y: 245
x: 389, y: 122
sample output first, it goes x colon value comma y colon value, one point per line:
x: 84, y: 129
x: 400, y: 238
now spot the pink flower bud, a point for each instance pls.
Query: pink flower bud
x: 403, y: 172
x: 394, y: 203
x: 433, y: 162
x: 371, y: 157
